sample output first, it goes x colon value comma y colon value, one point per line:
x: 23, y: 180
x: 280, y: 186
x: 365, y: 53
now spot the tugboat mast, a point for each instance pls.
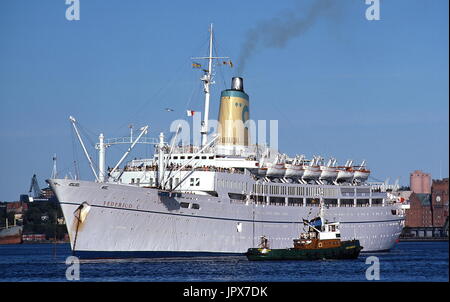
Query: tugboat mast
x: 321, y: 213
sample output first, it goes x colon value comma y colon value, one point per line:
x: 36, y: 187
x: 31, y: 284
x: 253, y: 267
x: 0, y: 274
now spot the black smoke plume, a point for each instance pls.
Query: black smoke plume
x: 276, y: 32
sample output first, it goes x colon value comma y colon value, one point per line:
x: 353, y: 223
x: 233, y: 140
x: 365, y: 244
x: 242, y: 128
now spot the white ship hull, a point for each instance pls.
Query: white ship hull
x: 131, y: 221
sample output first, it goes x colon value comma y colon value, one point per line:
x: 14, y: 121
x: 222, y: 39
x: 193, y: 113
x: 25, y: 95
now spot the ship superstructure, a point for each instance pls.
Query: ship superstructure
x: 221, y: 196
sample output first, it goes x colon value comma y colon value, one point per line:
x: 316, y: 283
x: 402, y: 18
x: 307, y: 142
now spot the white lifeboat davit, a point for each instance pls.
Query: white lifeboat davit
x: 346, y: 173
x: 329, y: 172
x: 361, y: 173
x: 312, y: 171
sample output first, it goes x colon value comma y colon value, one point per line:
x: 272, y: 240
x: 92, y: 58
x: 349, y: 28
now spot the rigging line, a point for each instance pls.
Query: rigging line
x: 194, y: 90
x: 64, y: 170
x: 220, y: 65
x: 74, y: 146
x: 86, y: 135
x: 376, y: 179
x: 137, y: 115
x: 228, y: 53
x: 152, y: 99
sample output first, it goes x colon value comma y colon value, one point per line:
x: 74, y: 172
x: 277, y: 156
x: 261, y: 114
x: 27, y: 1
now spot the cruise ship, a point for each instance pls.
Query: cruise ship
x: 221, y: 196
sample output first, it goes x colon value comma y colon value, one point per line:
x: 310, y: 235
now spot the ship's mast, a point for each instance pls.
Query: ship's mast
x: 54, y: 171
x: 207, y: 81
x: 321, y: 213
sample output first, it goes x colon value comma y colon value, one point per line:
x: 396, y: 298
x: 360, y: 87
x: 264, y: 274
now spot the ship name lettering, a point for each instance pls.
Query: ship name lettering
x: 117, y: 204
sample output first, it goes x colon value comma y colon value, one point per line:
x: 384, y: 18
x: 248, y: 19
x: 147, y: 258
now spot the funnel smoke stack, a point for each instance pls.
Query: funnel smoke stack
x: 237, y: 83
x: 234, y: 113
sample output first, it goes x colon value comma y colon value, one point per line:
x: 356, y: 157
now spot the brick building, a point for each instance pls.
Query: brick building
x: 427, y: 209
x: 439, y: 201
x: 16, y: 207
x: 420, y: 182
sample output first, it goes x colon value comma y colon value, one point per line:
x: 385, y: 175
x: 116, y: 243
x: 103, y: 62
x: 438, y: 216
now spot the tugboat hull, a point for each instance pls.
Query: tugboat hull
x: 347, y: 250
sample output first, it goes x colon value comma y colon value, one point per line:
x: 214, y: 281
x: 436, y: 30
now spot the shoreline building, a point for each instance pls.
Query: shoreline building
x: 428, y: 212
x: 420, y: 182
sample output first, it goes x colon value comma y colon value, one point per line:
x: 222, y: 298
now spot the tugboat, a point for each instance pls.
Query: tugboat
x: 321, y: 241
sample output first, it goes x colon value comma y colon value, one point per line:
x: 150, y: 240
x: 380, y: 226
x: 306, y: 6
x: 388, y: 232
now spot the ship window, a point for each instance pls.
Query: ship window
x: 175, y: 157
x: 194, y: 182
x: 211, y: 157
x: 74, y: 184
x: 237, y: 196
x: 184, y: 205
x: 377, y: 201
x: 362, y: 202
x: 258, y: 199
x: 347, y: 202
x: 197, y: 157
x: 295, y: 202
x: 312, y: 201
x: 277, y: 201
x: 195, y: 206
x: 181, y: 157
x: 332, y: 202
x: 203, y: 157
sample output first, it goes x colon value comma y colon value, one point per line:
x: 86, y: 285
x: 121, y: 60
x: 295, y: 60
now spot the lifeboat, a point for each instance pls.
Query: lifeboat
x: 346, y: 173
x: 294, y: 169
x: 361, y: 173
x: 312, y: 171
x: 262, y: 171
x: 276, y: 169
x: 329, y: 172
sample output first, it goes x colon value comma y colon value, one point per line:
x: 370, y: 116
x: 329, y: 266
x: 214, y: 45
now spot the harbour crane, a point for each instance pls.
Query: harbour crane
x: 37, y: 192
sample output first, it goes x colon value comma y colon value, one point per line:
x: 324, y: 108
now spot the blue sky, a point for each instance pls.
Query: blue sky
x: 345, y: 87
